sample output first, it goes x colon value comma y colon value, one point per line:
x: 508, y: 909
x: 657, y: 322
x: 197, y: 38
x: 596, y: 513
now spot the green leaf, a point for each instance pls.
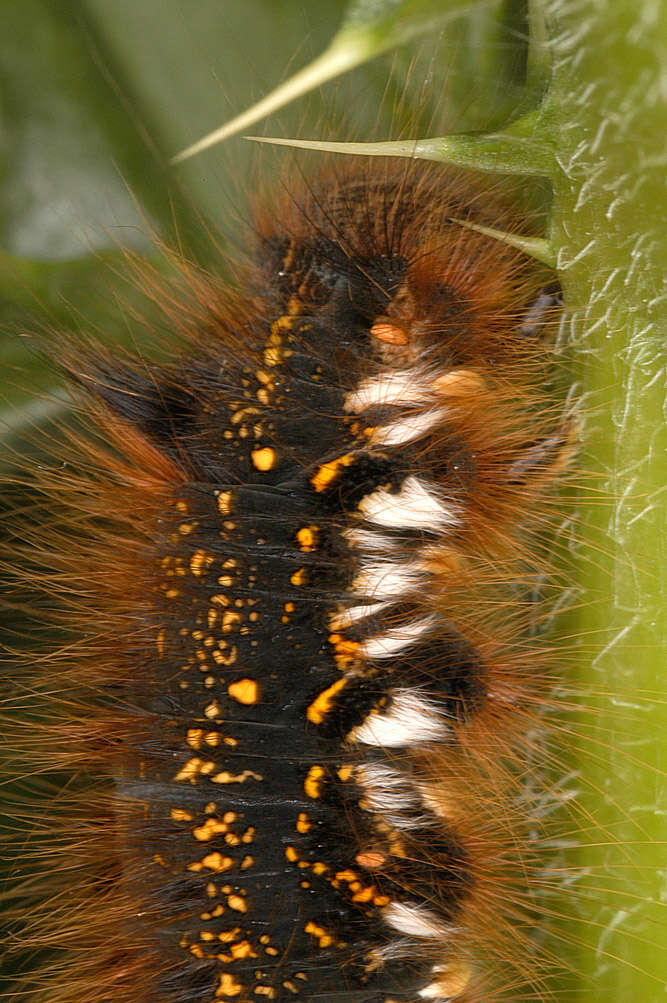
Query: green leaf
x: 369, y: 28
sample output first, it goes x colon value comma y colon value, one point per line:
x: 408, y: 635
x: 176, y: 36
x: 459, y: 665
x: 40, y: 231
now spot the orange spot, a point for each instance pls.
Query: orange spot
x: 228, y: 986
x: 322, y: 704
x: 313, y: 783
x: 199, y: 561
x: 245, y: 691
x: 322, y: 936
x: 264, y: 459
x: 372, y: 859
x: 303, y: 823
x: 365, y: 895
x: 299, y: 577
x: 191, y: 770
x: 208, y: 830
x: 224, y: 502
x: 230, y: 619
x: 328, y: 472
x: 236, y: 903
x: 194, y: 737
x: 180, y: 815
x: 307, y: 537
x: 214, y: 862
x: 227, y: 936
x: 235, y: 778
x: 389, y: 333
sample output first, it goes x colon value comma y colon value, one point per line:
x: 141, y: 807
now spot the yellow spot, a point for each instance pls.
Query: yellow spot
x: 303, y: 823
x: 313, y: 782
x: 322, y: 936
x: 206, y: 935
x: 230, y: 619
x: 227, y: 659
x: 227, y: 936
x: 208, y: 830
x: 321, y: 706
x: 172, y: 593
x: 196, y: 950
x: 235, y: 778
x: 191, y: 770
x: 245, y: 691
x: 264, y: 459
x: 299, y: 577
x: 219, y: 600
x: 185, y: 528
x: 366, y: 895
x: 180, y: 815
x: 199, y: 561
x: 214, y: 862
x: 247, y: 862
x: 267, y: 991
x: 307, y: 538
x: 182, y: 506
x: 345, y: 651
x: 228, y: 986
x: 194, y: 737
x: 224, y: 502
x: 329, y: 471
x: 243, y: 950
x: 345, y: 773
x: 160, y: 642
x: 273, y: 356
x: 291, y: 854
x: 237, y: 903
x: 347, y: 876
x: 389, y: 333
x: 212, y: 710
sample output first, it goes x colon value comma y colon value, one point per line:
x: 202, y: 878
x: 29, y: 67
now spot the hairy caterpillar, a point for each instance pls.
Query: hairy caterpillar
x: 470, y: 572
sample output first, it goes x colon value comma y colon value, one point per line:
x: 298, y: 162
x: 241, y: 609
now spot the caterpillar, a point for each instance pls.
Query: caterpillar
x: 307, y: 698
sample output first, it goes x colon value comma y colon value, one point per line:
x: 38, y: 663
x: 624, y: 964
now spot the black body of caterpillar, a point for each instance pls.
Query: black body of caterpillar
x: 317, y: 683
